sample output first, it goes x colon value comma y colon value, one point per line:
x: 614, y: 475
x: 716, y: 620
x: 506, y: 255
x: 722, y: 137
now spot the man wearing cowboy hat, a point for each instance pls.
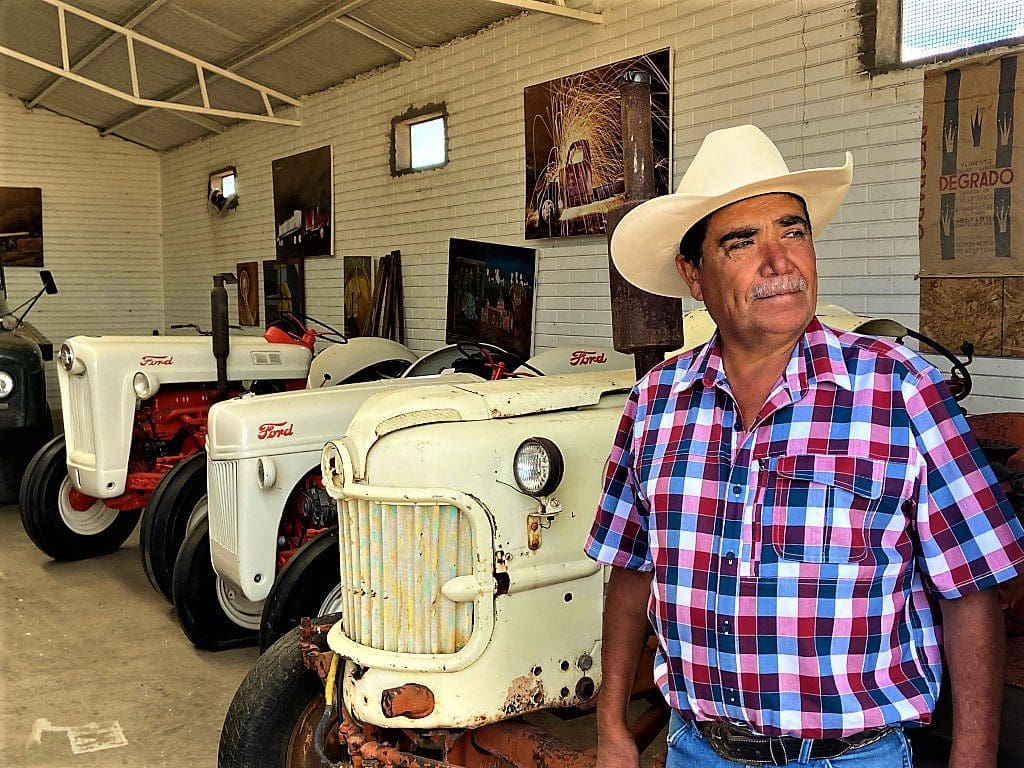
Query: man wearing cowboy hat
x: 792, y: 507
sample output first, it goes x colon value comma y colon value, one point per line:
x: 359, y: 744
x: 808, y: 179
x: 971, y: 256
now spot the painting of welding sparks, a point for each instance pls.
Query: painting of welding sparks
x: 574, y: 159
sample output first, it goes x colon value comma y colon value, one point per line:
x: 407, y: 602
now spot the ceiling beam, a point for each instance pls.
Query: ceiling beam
x: 403, y: 49
x: 132, y: 21
x: 557, y: 8
x: 275, y: 42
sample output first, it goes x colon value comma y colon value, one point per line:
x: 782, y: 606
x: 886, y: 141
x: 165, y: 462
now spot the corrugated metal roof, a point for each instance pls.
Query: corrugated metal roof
x: 291, y: 46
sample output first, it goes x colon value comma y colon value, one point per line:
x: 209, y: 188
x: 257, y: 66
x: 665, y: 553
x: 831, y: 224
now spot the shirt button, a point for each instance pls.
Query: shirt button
x: 730, y: 558
x: 737, y: 490
x: 726, y: 626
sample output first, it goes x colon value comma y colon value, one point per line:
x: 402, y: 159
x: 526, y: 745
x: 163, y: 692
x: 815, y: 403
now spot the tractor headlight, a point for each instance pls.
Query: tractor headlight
x: 145, y: 386
x: 538, y: 466
x: 66, y: 355
x: 6, y: 385
x: 332, y: 466
x: 266, y: 473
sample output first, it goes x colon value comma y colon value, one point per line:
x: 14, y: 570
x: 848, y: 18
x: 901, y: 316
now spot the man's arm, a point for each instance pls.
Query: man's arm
x: 625, y: 627
x: 975, y: 646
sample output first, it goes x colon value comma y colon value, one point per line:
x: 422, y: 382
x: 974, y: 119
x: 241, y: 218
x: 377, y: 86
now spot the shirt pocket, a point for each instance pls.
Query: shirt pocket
x: 818, y: 508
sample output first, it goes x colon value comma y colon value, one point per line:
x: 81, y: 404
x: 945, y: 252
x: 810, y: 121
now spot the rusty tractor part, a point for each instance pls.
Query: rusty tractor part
x: 643, y: 324
x: 497, y: 745
x: 411, y: 700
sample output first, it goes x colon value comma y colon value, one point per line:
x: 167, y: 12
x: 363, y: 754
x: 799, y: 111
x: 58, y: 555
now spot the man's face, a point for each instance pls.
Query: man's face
x: 757, y: 275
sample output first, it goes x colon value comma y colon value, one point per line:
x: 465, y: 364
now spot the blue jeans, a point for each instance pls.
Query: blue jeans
x: 688, y: 749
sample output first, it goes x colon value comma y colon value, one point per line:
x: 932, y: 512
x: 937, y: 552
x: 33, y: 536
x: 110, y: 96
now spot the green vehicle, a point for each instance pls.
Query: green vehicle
x: 25, y: 422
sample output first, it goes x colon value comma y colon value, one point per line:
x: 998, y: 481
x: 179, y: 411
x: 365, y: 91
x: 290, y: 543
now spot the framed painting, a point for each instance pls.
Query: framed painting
x: 574, y: 157
x: 491, y: 290
x: 303, y: 186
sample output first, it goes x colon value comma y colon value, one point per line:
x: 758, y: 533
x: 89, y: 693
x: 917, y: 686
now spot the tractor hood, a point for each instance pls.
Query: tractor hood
x: 390, y: 411
x: 182, y: 359
x: 293, y: 422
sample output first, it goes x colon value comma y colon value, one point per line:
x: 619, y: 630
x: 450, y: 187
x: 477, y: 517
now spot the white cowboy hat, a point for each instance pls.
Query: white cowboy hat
x: 731, y: 165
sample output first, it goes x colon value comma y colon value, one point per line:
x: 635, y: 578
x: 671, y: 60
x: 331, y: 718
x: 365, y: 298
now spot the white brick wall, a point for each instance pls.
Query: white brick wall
x: 789, y: 67
x: 101, y: 226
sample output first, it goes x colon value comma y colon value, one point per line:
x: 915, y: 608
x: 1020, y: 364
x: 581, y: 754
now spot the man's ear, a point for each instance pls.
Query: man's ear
x: 691, y: 276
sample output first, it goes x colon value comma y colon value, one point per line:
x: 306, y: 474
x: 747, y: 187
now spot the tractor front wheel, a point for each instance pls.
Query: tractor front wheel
x: 166, y: 519
x: 306, y: 586
x: 272, y: 717
x: 55, y: 521
x: 213, y: 614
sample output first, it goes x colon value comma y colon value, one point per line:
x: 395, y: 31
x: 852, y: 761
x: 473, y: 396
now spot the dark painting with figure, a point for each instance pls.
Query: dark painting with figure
x: 248, y: 274
x: 283, y: 288
x: 491, y: 289
x: 21, y: 226
x: 302, y: 204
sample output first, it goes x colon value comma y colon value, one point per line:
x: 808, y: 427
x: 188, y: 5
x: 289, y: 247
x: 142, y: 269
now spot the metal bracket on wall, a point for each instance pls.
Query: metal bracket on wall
x: 132, y: 38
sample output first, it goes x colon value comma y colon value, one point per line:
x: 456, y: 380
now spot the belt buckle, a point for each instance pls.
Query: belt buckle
x: 719, y: 735
x: 716, y: 734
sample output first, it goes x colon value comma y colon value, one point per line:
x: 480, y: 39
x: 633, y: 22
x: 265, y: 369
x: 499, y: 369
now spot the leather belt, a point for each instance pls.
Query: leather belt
x: 740, y: 744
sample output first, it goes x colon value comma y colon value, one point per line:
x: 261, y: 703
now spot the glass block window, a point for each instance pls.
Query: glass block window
x: 930, y: 28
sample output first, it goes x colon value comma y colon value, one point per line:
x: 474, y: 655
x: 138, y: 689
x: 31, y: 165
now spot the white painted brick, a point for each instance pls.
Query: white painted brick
x: 101, y: 227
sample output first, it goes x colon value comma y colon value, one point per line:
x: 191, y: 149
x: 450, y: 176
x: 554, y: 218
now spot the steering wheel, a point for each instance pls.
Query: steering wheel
x: 493, y: 361
x: 292, y: 324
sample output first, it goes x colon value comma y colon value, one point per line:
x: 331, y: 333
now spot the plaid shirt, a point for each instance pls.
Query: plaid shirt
x: 793, y: 563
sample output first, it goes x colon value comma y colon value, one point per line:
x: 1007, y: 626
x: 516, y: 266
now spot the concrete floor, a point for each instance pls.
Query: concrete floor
x: 93, y: 642
x: 84, y: 645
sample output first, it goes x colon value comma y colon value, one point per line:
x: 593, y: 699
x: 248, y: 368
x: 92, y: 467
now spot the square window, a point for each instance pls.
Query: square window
x: 222, y: 192
x: 419, y: 140
x: 427, y: 140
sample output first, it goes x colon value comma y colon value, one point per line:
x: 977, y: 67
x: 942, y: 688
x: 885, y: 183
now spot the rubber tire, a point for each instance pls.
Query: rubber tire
x: 165, y: 519
x: 268, y: 703
x: 301, y: 587
x: 194, y: 588
x: 40, y: 511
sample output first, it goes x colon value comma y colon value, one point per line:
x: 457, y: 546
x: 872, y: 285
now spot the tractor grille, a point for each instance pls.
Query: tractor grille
x: 222, y: 496
x: 394, y: 560
x: 81, y: 438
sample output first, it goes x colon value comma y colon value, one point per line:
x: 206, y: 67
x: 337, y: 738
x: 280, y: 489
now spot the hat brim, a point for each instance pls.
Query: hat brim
x: 645, y: 243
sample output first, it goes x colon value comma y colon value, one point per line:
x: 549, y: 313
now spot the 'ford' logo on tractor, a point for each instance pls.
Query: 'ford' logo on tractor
x: 157, y: 360
x: 583, y: 357
x: 275, y: 429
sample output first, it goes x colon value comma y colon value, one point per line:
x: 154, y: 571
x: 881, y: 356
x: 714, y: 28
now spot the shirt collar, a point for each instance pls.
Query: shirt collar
x: 818, y: 351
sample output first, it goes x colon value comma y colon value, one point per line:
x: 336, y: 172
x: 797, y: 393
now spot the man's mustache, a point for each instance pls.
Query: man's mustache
x: 780, y: 285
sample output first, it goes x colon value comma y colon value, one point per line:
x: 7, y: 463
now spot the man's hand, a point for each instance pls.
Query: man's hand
x: 616, y: 749
x: 625, y: 628
x: 974, y: 641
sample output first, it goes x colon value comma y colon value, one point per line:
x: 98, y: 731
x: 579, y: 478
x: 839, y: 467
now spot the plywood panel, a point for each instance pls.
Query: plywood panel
x: 955, y: 310
x: 1013, y: 317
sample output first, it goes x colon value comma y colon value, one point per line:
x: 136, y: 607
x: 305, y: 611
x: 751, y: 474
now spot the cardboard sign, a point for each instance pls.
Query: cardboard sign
x: 972, y: 169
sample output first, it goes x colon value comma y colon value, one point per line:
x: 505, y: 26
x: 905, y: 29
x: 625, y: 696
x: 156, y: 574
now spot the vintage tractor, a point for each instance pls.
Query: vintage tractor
x: 270, y: 526
x: 134, y: 408
x: 25, y: 422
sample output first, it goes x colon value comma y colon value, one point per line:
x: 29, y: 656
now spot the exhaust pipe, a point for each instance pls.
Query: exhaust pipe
x: 219, y: 326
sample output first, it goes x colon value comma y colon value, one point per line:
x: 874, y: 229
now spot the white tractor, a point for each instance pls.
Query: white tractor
x: 269, y: 526
x: 135, y: 408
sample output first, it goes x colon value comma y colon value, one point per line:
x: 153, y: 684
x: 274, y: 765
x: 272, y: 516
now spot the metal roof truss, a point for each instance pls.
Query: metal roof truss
x: 132, y: 38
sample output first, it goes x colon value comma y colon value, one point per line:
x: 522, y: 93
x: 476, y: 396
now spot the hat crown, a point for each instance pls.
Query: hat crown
x: 732, y: 158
